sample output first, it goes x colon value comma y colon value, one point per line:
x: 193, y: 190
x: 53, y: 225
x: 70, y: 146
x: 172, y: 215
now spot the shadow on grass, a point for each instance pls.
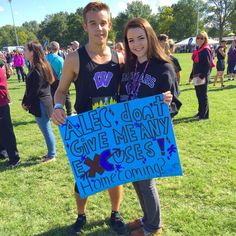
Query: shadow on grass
x: 15, y: 88
x: 185, y: 120
x: 210, y: 87
x: 186, y: 89
x: 15, y: 124
x: 68, y: 230
x: 221, y: 89
x: 29, y: 162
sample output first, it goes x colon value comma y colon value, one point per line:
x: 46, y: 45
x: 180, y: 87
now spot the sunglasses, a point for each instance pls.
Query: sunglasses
x: 200, y: 38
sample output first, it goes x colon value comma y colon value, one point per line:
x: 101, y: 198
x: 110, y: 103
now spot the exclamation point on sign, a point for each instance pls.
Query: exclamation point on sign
x: 160, y: 142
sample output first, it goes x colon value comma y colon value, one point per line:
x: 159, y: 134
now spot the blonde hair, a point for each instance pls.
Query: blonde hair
x: 204, y: 35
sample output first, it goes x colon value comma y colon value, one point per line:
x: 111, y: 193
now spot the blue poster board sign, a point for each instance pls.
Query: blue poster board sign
x: 121, y: 143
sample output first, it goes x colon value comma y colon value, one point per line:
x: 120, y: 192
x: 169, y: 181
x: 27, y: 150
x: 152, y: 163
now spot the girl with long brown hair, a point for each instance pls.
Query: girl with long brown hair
x: 148, y: 72
x: 37, y: 99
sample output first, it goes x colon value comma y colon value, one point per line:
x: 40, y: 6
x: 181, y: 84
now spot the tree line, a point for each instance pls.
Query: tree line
x: 178, y: 21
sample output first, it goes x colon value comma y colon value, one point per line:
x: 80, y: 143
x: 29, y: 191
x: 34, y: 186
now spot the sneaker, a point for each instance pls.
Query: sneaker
x: 117, y: 223
x: 136, y: 224
x: 140, y: 232
x: 13, y: 164
x: 48, y: 159
x: 79, y: 224
x: 3, y: 155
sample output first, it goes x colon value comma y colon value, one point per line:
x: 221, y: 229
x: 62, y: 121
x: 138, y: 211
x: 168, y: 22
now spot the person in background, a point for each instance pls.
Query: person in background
x: 57, y: 63
x: 202, y: 64
x: 9, y: 62
x: 4, y: 65
x: 19, y: 62
x: 119, y: 47
x: 74, y: 45
x: 163, y: 40
x: 220, y: 66
x: 146, y: 59
x: 174, y: 60
x: 232, y: 61
x: 37, y: 99
x: 8, y: 146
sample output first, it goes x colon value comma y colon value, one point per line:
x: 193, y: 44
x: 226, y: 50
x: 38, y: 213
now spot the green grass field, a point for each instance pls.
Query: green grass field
x: 37, y: 199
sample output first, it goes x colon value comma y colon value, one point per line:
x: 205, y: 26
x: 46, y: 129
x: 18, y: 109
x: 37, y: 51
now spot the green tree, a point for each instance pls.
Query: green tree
x: 232, y: 22
x: 184, y: 19
x: 165, y: 19
x: 133, y: 10
x: 220, y: 13
x: 31, y: 26
x: 54, y: 27
x: 24, y: 35
x: 7, y: 36
x: 75, y: 30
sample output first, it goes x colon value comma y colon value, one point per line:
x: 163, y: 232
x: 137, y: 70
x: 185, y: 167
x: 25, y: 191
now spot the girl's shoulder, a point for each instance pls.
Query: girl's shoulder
x: 161, y: 63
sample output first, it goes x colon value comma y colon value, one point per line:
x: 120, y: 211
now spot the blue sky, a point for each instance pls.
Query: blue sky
x: 27, y: 10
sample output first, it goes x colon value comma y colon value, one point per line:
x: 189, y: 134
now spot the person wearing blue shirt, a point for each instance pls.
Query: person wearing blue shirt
x: 57, y: 63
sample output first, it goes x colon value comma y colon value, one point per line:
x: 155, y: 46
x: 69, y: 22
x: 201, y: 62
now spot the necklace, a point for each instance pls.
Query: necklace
x: 132, y: 88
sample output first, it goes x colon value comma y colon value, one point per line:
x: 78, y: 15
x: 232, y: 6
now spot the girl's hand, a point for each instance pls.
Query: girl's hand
x: 167, y: 96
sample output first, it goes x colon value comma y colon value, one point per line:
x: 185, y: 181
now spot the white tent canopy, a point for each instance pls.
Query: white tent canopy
x: 193, y: 41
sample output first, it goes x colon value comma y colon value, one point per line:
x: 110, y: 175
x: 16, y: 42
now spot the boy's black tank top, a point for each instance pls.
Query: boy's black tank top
x: 95, y: 80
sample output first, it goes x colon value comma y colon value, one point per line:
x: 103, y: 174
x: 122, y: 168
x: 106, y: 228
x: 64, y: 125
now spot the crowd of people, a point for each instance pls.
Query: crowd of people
x: 143, y: 55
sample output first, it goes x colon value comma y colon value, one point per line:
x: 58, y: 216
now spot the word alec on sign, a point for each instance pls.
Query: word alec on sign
x: 121, y: 143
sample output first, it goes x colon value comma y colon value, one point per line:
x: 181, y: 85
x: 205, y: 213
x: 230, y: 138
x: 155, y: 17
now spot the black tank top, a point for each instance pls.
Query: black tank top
x: 95, y: 80
x: 219, y: 56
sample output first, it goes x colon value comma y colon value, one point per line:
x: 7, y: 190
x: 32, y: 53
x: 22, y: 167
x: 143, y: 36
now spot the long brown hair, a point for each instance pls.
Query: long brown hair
x: 39, y: 61
x: 154, y: 47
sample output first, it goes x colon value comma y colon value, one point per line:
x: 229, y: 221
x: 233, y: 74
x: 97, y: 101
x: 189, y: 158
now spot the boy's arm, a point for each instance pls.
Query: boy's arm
x: 69, y: 74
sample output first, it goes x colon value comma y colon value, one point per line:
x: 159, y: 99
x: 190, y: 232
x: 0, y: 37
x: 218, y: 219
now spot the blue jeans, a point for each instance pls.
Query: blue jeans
x: 46, y: 129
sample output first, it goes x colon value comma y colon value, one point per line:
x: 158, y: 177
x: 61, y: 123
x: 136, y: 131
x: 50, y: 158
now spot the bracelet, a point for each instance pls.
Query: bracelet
x: 58, y: 106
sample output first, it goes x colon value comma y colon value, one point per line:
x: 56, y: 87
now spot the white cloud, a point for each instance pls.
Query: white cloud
x: 121, y: 6
x: 144, y: 1
x: 1, y: 8
x: 154, y: 4
x: 164, y: 2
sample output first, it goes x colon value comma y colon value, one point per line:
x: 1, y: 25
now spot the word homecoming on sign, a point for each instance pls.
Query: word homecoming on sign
x: 121, y: 143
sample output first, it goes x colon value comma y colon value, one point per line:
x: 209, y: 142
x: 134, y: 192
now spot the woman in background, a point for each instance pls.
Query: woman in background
x: 202, y: 64
x: 37, y: 99
x: 19, y: 62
